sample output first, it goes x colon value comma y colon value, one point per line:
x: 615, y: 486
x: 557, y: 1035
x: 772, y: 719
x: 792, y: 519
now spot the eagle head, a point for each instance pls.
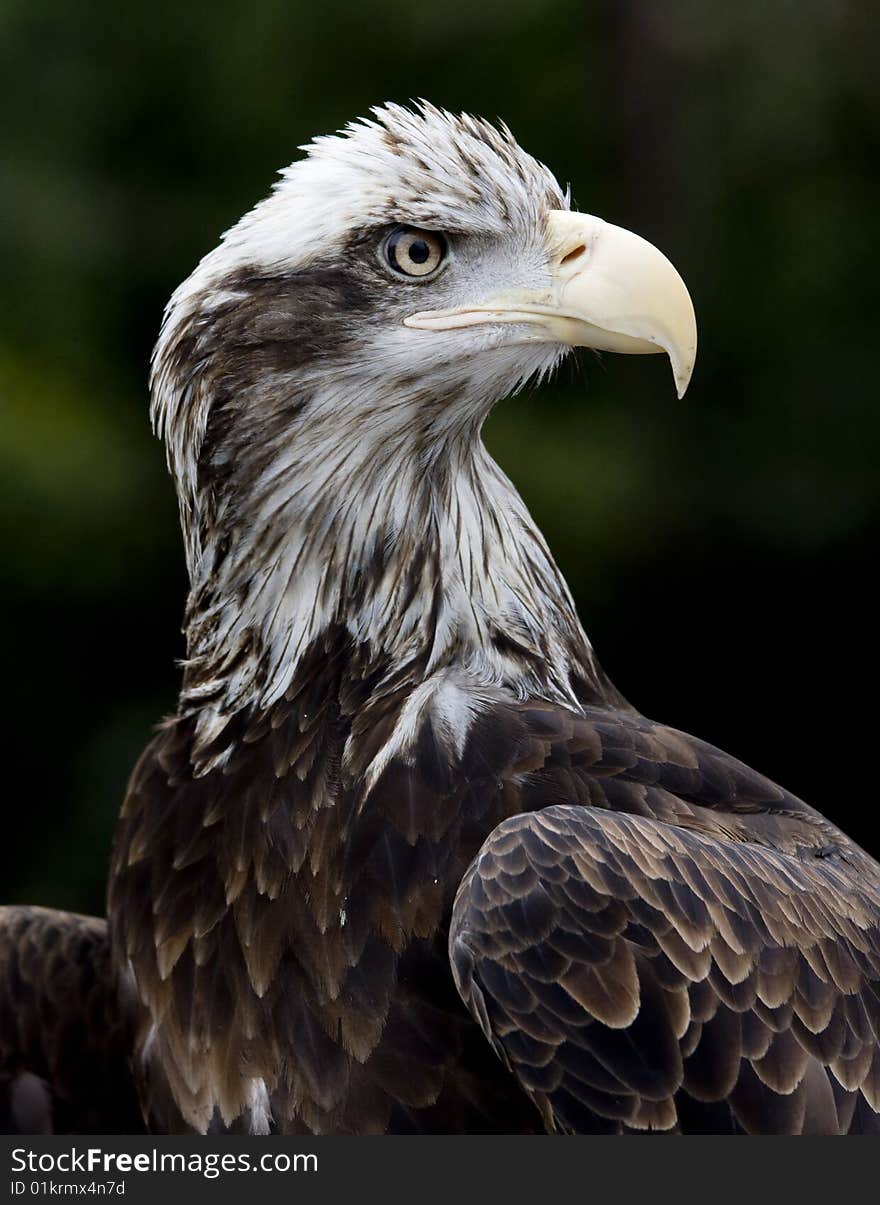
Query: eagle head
x: 322, y: 377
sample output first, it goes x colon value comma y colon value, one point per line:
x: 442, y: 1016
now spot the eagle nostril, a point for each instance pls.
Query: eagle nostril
x: 571, y: 256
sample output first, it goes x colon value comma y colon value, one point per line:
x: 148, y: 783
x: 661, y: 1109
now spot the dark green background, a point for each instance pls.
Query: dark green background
x: 719, y: 547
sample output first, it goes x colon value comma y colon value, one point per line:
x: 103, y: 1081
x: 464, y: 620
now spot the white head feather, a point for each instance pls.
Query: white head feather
x: 359, y: 457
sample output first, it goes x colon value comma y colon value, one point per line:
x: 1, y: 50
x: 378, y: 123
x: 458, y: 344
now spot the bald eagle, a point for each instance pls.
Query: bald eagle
x: 404, y: 860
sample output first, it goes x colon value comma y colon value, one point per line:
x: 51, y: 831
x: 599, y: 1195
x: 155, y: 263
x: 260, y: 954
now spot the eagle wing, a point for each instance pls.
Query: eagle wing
x: 665, y: 940
x: 64, y: 1042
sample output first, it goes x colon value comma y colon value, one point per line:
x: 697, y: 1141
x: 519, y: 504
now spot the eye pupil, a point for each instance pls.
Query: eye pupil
x: 419, y: 251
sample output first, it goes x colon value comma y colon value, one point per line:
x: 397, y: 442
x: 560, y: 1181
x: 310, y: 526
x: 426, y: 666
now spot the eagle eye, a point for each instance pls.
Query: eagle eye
x: 414, y: 252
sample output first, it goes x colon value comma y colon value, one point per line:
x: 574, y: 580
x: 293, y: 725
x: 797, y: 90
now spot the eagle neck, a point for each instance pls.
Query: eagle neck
x: 420, y: 550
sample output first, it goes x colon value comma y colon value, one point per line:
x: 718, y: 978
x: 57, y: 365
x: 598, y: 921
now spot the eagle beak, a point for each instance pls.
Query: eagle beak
x: 609, y: 289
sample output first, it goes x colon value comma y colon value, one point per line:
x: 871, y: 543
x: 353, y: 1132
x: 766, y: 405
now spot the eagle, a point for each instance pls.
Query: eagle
x: 404, y: 860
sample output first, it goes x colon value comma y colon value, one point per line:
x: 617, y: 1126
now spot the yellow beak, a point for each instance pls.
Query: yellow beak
x: 609, y: 289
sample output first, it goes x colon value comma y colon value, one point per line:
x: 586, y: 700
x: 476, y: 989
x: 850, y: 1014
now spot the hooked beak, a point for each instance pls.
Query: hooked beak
x: 609, y: 289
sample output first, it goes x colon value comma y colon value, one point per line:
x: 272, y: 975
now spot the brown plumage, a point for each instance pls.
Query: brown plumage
x: 65, y: 1041
x: 404, y: 860
x: 694, y: 951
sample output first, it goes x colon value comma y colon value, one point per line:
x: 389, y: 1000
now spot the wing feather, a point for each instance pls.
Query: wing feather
x: 699, y: 953
x: 64, y: 1039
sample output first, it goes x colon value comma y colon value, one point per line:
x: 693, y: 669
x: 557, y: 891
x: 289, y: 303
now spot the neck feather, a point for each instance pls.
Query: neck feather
x: 420, y: 550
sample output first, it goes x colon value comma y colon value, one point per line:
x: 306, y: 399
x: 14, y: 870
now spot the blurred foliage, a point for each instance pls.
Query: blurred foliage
x: 719, y: 547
